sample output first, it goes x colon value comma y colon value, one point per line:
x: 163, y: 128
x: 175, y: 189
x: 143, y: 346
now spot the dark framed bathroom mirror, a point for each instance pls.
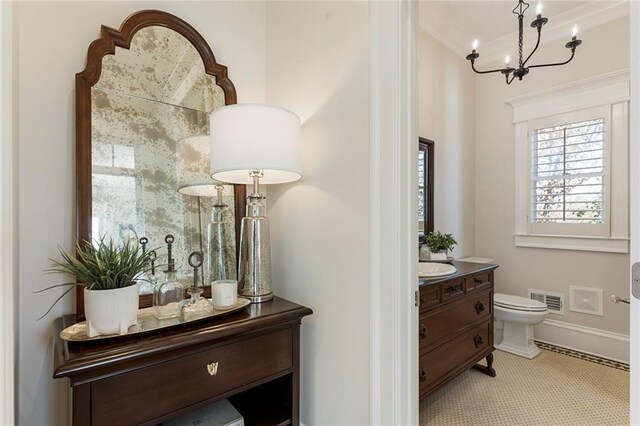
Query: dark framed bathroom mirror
x: 425, y: 187
x: 142, y: 152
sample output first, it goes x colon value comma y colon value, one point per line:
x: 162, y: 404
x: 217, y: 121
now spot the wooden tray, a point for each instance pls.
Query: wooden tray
x: 147, y: 322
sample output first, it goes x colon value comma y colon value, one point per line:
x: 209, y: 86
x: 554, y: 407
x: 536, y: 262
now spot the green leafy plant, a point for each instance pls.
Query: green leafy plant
x: 437, y: 241
x: 103, y: 265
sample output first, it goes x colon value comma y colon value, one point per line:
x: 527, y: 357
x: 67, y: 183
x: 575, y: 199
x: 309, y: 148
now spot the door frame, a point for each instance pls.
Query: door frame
x: 8, y: 218
x: 634, y: 202
x: 393, y: 213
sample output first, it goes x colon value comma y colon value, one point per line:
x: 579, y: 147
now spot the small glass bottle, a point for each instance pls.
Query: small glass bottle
x: 168, y: 294
x: 195, y: 306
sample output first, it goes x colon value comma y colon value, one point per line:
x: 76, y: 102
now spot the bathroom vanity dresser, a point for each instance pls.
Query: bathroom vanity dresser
x: 250, y: 357
x: 456, y: 324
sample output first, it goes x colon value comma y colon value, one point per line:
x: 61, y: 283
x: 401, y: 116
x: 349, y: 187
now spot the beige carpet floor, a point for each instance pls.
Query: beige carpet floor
x: 552, y: 389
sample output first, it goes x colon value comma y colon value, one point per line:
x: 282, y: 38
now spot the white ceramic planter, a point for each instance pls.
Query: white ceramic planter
x: 111, y: 311
x: 438, y: 256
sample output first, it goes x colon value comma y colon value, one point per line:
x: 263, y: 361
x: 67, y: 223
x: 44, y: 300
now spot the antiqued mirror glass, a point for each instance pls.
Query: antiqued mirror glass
x: 149, y: 138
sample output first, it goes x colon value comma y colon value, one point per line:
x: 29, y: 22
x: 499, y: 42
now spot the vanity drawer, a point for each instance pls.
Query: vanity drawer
x: 438, y: 324
x: 429, y: 296
x: 452, y: 289
x: 153, y: 391
x: 445, y: 362
x: 479, y: 282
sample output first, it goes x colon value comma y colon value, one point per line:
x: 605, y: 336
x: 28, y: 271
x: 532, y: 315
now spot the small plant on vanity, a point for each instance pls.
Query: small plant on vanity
x: 439, y: 244
x: 109, y: 274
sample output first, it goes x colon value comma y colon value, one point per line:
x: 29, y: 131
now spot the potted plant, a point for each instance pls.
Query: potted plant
x: 108, y: 274
x: 439, y: 244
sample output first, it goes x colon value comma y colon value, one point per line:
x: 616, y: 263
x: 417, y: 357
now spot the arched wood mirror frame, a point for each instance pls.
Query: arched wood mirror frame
x: 85, y: 80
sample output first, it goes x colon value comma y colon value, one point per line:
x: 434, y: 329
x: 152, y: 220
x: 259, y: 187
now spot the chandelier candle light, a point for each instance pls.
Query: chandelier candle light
x: 522, y: 68
x: 253, y: 144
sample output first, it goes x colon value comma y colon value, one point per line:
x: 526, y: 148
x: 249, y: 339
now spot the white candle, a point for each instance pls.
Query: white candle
x: 224, y: 293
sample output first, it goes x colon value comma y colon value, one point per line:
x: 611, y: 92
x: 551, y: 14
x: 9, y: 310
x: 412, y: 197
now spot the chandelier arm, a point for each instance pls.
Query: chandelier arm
x: 485, y: 72
x: 573, y: 53
x: 534, y: 49
x: 512, y: 78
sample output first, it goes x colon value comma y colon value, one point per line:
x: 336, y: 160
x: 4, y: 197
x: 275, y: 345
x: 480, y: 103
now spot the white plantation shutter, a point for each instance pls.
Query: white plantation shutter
x: 568, y: 173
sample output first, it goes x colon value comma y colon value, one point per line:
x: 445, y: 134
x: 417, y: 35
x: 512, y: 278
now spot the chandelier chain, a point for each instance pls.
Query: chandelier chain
x: 520, y: 40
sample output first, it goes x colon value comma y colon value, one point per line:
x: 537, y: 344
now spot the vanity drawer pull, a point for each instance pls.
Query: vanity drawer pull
x: 477, y: 281
x: 453, y: 290
x: 422, y: 300
x: 423, y: 332
x: 479, y: 307
x: 478, y: 340
x: 423, y: 376
x: 212, y: 368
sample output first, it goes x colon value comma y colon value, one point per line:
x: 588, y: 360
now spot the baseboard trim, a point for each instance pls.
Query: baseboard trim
x: 592, y: 341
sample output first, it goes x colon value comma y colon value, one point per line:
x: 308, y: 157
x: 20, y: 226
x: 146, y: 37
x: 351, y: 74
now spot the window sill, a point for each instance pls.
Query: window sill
x: 570, y: 242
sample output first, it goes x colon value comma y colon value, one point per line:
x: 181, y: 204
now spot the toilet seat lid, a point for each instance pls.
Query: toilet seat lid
x: 509, y: 301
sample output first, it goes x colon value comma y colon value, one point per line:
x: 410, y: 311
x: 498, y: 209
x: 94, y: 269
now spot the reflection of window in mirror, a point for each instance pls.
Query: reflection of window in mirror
x: 425, y: 187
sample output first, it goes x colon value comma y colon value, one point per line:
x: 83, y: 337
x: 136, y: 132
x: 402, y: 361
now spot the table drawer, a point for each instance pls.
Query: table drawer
x: 438, y: 324
x: 458, y: 354
x: 137, y: 396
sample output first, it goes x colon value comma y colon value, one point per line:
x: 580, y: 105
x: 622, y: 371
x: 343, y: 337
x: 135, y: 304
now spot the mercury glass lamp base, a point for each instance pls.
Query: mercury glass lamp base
x: 259, y: 299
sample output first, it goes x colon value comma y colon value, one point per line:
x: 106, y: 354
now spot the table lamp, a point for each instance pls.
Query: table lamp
x: 194, y: 180
x: 253, y: 144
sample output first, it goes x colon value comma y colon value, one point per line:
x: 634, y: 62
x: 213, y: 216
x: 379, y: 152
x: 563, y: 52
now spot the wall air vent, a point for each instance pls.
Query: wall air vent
x: 554, y: 301
x: 587, y: 300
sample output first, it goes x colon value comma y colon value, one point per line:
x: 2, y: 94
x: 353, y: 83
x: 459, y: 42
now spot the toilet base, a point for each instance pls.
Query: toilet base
x: 530, y: 352
x: 517, y: 339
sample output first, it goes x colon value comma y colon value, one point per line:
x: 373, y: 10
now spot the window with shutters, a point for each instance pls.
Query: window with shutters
x: 568, y: 171
x: 572, y: 166
x: 569, y: 174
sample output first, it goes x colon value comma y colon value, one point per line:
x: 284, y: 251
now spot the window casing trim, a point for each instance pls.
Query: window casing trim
x: 610, y: 94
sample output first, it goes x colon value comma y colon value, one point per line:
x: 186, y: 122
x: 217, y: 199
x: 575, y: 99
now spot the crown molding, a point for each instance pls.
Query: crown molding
x: 604, y: 89
x: 445, y: 34
x: 590, y: 15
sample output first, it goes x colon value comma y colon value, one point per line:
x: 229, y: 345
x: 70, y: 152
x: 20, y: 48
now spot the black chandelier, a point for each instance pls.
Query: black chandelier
x: 523, y: 69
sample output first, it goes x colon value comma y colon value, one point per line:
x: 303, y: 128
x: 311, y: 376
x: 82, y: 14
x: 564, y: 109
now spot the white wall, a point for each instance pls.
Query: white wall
x: 318, y: 66
x: 52, y: 43
x: 605, y: 49
x: 447, y: 116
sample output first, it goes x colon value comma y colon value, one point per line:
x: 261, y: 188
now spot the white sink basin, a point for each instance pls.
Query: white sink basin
x: 430, y: 269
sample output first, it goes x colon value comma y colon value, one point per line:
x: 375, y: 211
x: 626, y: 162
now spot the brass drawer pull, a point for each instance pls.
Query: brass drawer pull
x: 478, y: 340
x: 212, y: 368
x: 423, y: 332
x: 479, y: 307
x: 423, y: 376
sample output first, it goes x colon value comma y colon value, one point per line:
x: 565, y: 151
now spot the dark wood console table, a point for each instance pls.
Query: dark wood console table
x: 151, y: 378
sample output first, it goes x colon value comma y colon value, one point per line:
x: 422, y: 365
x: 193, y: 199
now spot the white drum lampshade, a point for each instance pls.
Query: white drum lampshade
x: 253, y: 144
x: 249, y: 137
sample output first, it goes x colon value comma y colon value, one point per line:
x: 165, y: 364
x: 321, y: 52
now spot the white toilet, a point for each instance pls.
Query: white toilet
x: 514, y: 320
